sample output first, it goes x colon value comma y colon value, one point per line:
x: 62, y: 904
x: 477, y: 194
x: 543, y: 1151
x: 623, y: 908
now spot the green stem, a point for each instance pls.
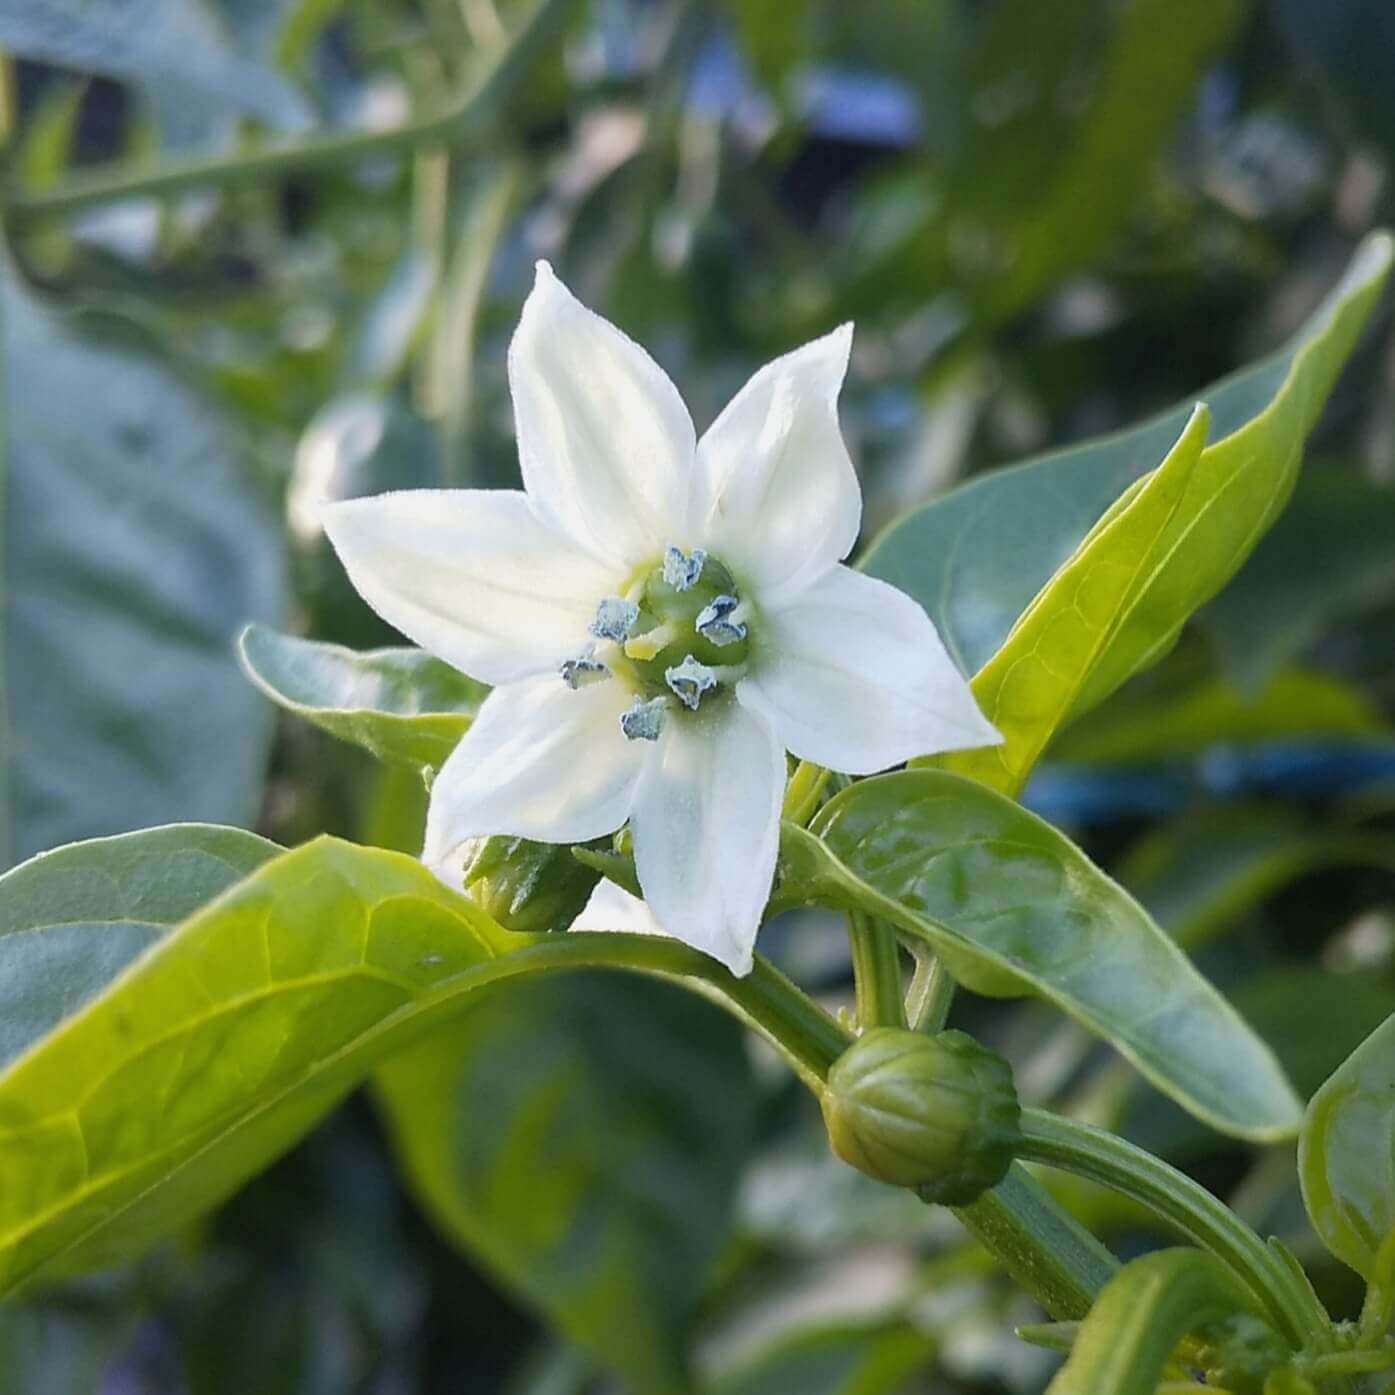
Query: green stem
x: 876, y: 961
x: 469, y: 118
x: 1102, y: 1157
x: 803, y: 791
x: 931, y: 994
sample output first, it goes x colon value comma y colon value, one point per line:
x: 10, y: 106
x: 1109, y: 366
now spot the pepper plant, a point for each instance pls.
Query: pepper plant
x: 660, y: 619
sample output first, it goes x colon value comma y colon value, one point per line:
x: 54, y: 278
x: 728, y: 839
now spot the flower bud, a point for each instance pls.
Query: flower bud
x: 936, y: 1113
x: 527, y: 886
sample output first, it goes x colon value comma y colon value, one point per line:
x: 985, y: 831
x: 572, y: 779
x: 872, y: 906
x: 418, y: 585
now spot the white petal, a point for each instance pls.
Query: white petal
x: 540, y: 761
x: 473, y: 575
x: 604, y: 440
x: 855, y: 678
x: 706, y: 826
x: 781, y: 499
x: 611, y: 907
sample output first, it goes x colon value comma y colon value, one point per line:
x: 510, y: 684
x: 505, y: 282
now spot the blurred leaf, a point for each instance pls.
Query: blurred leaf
x: 1013, y: 907
x: 1128, y: 1337
x: 976, y: 558
x: 1333, y: 552
x: 583, y: 1136
x: 1067, y: 105
x: 177, y: 49
x: 1346, y: 1157
x: 47, y: 147
x: 872, y: 1359
x: 400, y: 704
x: 1164, y: 722
x: 225, y: 1042
x: 1111, y: 607
x: 134, y: 547
x: 72, y: 919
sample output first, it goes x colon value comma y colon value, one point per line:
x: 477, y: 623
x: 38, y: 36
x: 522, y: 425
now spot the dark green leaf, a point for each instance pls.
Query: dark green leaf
x: 871, y: 1359
x: 583, y: 1136
x: 400, y: 704
x: 1346, y: 1156
x: 70, y: 920
x: 1013, y: 907
x: 976, y: 558
x: 134, y: 548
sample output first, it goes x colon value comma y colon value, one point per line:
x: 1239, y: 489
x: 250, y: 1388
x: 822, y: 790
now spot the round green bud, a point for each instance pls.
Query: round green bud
x: 527, y: 886
x: 936, y: 1113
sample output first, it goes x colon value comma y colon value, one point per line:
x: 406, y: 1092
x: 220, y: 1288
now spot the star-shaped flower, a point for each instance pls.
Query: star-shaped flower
x: 662, y: 618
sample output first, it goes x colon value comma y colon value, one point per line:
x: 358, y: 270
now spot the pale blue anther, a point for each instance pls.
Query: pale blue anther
x: 644, y: 720
x: 582, y: 671
x: 681, y: 570
x: 689, y: 681
x: 714, y: 622
x: 615, y: 618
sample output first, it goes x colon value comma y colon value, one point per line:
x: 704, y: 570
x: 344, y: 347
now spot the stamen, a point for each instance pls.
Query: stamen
x: 615, y: 618
x: 682, y: 571
x: 583, y: 670
x: 643, y: 721
x: 715, y: 622
x: 689, y: 681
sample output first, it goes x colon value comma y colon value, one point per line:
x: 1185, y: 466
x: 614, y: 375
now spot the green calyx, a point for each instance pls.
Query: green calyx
x: 526, y: 886
x: 938, y: 1113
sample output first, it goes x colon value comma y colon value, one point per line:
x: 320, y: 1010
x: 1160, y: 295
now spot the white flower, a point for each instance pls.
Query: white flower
x: 661, y: 617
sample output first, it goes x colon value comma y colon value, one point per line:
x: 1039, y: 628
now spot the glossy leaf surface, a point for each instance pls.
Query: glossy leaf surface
x: 546, y: 1133
x: 977, y: 557
x: 1013, y: 907
x: 401, y: 705
x: 134, y: 547
x: 1346, y: 1156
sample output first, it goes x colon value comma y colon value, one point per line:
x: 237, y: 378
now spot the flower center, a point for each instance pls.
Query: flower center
x: 677, y: 639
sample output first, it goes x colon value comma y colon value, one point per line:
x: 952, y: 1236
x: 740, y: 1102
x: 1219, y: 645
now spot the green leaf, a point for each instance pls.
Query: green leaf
x: 400, y: 704
x: 976, y: 558
x: 1346, y: 1156
x: 135, y: 547
x: 1013, y: 907
x: 848, y: 1359
x: 1167, y: 721
x: 174, y: 48
x: 1099, y: 617
x: 584, y: 1137
x: 1328, y: 556
x: 72, y: 919
x: 1125, y: 1343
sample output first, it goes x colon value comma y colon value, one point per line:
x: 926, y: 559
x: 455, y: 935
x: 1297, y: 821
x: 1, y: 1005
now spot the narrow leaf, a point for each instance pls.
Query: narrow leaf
x: 1013, y: 907
x: 400, y: 704
x: 1346, y: 1156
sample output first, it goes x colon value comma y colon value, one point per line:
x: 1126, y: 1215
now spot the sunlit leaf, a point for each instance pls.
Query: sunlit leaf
x: 402, y: 705
x: 1013, y: 907
x: 1346, y: 1156
x: 583, y: 1137
x: 135, y: 547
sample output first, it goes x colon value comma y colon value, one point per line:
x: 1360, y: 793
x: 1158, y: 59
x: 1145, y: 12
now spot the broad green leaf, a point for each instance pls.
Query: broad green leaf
x: 1127, y: 1340
x: 976, y: 558
x: 400, y: 704
x: 176, y: 49
x: 849, y: 1359
x: 72, y: 919
x: 1346, y: 1157
x: 134, y: 547
x: 1013, y: 907
x: 583, y: 1135
x: 1090, y: 625
x: 217, y: 1048
x: 1166, y: 721
x: 1330, y: 554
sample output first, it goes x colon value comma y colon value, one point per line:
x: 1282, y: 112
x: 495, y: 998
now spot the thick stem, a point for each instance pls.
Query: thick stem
x: 931, y: 994
x: 469, y: 118
x: 1188, y: 1207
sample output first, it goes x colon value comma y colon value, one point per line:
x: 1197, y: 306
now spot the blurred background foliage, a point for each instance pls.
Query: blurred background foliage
x: 259, y: 253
